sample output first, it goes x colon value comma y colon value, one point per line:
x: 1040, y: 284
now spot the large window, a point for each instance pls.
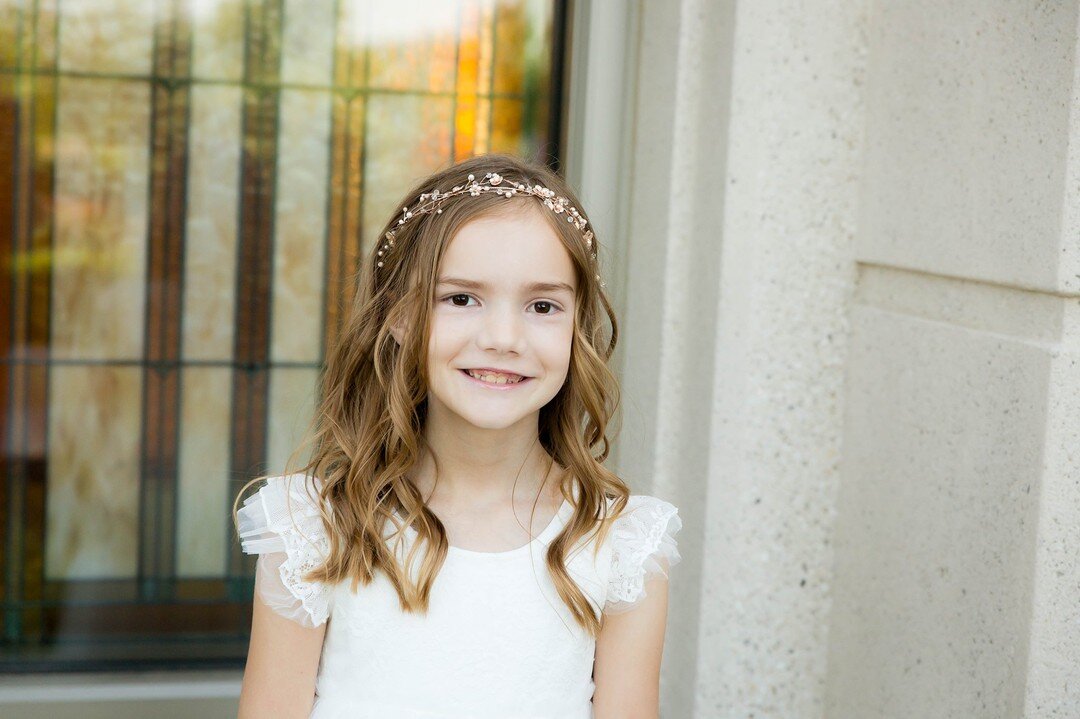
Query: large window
x: 186, y: 187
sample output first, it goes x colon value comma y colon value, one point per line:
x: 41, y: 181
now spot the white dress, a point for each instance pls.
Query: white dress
x: 497, y: 640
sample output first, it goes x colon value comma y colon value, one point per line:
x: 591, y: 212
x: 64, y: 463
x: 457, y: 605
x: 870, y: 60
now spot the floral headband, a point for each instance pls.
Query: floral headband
x: 492, y: 182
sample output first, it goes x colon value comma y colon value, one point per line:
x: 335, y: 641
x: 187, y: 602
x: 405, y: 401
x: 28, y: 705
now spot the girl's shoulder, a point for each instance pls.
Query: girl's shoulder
x: 641, y: 506
x: 282, y: 506
x: 642, y: 548
x: 282, y: 523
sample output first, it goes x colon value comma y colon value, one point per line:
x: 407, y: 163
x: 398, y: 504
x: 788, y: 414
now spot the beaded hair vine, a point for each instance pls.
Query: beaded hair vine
x: 492, y: 182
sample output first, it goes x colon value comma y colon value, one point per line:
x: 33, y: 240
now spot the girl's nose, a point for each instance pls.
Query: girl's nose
x: 502, y: 329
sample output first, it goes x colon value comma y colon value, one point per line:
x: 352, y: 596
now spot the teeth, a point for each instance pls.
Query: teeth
x: 495, y: 378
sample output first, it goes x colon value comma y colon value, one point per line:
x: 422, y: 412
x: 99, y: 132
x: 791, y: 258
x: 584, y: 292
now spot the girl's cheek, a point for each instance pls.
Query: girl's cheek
x: 454, y: 327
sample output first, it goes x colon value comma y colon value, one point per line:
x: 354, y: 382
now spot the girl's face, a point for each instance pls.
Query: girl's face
x: 503, y: 303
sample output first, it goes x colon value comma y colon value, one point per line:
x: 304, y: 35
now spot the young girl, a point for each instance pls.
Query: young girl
x: 455, y: 547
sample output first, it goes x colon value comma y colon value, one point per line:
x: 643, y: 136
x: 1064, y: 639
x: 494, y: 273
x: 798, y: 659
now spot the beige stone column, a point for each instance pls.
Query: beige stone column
x: 734, y: 275
x: 957, y: 587
x: 847, y: 243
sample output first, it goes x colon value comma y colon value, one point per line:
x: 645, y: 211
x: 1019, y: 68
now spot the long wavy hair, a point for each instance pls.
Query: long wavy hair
x: 367, y: 432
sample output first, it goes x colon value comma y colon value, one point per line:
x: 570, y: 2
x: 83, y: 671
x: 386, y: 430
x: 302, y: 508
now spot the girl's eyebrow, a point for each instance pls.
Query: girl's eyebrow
x: 531, y: 287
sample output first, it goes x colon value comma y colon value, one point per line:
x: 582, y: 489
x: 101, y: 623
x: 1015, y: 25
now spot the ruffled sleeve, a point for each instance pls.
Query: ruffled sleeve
x: 643, y: 548
x: 281, y: 523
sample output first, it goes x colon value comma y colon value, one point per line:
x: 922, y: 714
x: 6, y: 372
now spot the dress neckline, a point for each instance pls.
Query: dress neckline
x: 545, y: 535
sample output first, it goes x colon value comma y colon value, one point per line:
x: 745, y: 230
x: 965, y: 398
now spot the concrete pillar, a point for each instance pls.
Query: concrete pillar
x: 957, y: 586
x: 790, y: 206
x: 849, y: 279
x: 742, y: 192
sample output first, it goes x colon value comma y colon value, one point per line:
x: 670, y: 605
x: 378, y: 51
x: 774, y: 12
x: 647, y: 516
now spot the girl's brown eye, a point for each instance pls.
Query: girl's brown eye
x: 453, y: 297
x: 550, y: 307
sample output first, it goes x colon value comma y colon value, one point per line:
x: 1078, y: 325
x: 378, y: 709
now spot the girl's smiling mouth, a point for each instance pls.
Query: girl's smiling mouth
x: 494, y: 380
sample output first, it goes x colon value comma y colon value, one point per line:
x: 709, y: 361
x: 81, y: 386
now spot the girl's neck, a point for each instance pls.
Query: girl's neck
x: 485, y: 468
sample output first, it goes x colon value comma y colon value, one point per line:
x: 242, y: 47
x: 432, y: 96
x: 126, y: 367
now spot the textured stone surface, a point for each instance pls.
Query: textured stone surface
x: 671, y: 293
x: 966, y: 138
x: 791, y: 190
x: 1054, y: 655
x: 937, y: 513
x: 956, y: 582
x: 889, y: 194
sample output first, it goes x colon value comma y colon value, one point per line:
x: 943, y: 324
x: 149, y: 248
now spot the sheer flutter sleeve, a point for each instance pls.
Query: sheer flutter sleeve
x: 281, y: 523
x: 643, y: 548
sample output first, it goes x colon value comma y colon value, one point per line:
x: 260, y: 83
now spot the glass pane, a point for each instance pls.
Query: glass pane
x: 187, y: 190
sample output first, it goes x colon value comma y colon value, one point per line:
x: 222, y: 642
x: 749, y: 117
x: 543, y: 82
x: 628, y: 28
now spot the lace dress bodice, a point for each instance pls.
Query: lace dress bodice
x: 497, y: 640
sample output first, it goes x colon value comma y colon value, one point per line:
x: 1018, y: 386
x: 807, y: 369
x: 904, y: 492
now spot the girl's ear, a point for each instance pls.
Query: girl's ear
x: 398, y: 330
